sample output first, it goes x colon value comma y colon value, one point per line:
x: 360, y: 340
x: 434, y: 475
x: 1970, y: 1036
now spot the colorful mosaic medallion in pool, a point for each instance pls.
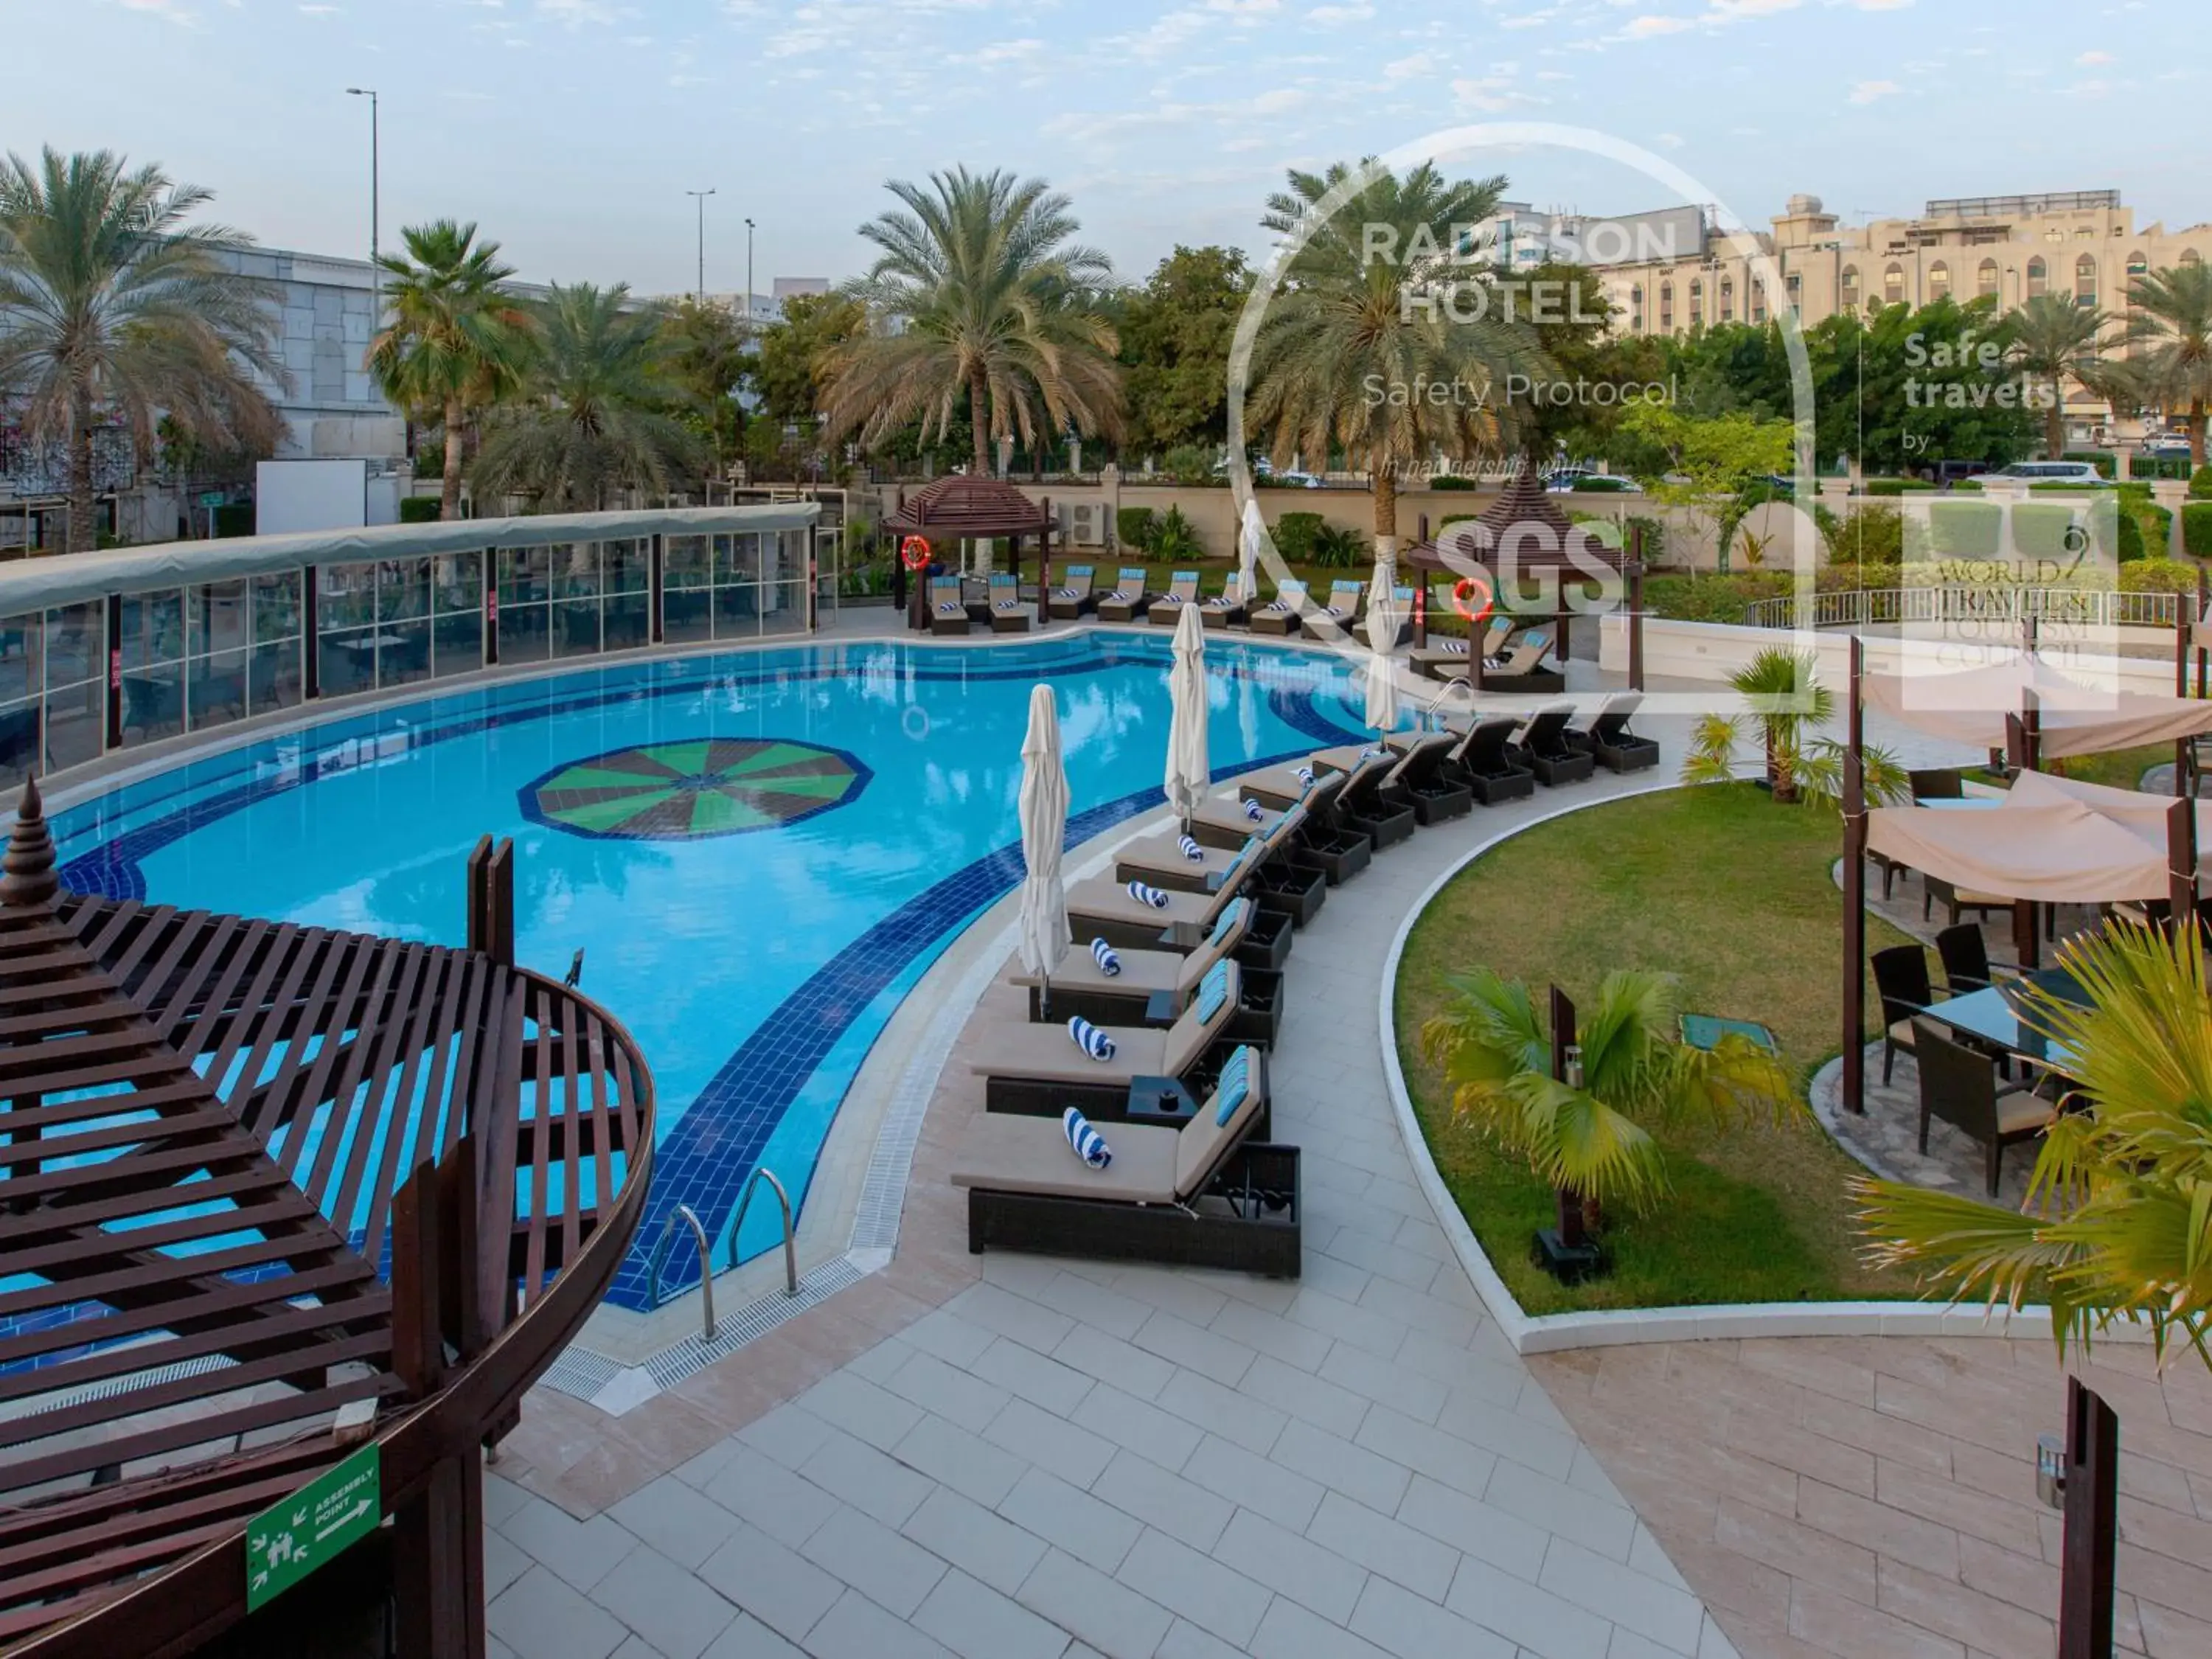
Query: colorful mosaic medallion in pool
x: 692, y: 791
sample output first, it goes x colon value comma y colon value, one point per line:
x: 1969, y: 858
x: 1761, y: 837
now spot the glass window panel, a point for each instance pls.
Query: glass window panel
x: 403, y: 590
x: 272, y: 678
x: 276, y: 606
x: 576, y: 570
x: 215, y: 617
x: 153, y: 701
x: 628, y: 620
x: 685, y: 614
x: 522, y: 574
x: 458, y: 648
x: 576, y: 628
x: 458, y: 581
x: 737, y: 613
x: 626, y: 565
x: 522, y: 633
x: 153, y: 628
x: 75, y: 723
x: 786, y: 603
x: 217, y: 691
x: 76, y: 647
x: 737, y: 559
x: 345, y: 597
x: 684, y: 563
x: 19, y: 739
x: 346, y: 661
x: 403, y: 651
x: 20, y: 638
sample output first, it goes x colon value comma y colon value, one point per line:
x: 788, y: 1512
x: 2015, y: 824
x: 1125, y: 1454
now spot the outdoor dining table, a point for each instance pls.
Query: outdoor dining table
x: 1991, y: 1017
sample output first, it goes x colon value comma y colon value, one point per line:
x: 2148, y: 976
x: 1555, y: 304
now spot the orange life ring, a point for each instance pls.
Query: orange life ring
x: 915, y: 551
x: 1463, y: 592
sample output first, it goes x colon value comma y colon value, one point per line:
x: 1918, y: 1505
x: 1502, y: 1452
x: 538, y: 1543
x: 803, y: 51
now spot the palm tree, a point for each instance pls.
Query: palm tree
x: 1786, y: 699
x: 978, y: 292
x: 2055, y: 339
x: 453, y: 338
x: 1342, y: 325
x: 2170, y: 318
x: 112, y: 309
x: 1589, y: 1135
x: 595, y: 413
x: 2115, y: 1225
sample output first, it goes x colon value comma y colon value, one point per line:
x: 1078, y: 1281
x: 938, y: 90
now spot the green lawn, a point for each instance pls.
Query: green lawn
x: 1735, y: 896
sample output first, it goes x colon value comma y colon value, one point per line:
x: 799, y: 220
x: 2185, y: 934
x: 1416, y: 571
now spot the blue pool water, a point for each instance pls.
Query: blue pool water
x: 754, y: 938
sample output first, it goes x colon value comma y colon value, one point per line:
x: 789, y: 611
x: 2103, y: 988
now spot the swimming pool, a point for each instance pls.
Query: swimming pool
x: 759, y: 853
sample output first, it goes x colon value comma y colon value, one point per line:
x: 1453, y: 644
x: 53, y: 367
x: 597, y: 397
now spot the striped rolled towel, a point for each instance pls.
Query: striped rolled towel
x: 1454, y: 647
x: 1370, y: 753
x: 1305, y: 776
x: 1151, y: 896
x: 1252, y: 811
x: 1191, y: 850
x: 1088, y: 1146
x: 1103, y: 954
x: 1089, y: 1038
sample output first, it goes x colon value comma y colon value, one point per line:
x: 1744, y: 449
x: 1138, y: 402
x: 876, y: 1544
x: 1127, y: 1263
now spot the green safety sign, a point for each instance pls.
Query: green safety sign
x: 213, y: 498
x: 286, y: 1541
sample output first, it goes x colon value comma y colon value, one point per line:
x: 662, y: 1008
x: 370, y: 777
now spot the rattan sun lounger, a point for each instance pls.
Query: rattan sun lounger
x: 1183, y: 589
x: 1420, y: 772
x: 1484, y: 763
x: 1128, y: 599
x: 1446, y: 655
x: 1009, y: 615
x: 1078, y: 986
x: 1036, y: 1067
x: 1103, y: 906
x: 1339, y: 615
x: 1227, y: 608
x: 1077, y: 594
x: 1610, y: 741
x: 1198, y: 1196
x: 1545, y: 751
x: 1521, y: 668
x: 948, y: 611
x: 1280, y: 614
x: 1158, y: 861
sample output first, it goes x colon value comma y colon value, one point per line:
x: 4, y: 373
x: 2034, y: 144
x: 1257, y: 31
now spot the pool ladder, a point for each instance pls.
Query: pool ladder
x: 689, y: 1217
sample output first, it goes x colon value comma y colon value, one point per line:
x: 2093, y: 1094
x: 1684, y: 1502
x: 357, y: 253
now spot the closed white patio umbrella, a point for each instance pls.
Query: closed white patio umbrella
x: 1043, y: 811
x: 1254, y: 531
x: 1382, y: 671
x: 1189, y: 772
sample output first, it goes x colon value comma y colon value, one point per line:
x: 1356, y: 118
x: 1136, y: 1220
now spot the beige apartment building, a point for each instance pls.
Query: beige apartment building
x: 2081, y: 243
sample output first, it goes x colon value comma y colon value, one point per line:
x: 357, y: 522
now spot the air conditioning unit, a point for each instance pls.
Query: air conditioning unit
x: 1084, y: 523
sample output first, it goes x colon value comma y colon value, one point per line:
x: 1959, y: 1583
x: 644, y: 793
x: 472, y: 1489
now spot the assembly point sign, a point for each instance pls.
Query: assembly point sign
x: 289, y: 1541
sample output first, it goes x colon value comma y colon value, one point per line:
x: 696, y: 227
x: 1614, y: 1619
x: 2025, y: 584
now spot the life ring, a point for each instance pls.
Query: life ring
x: 1463, y: 592
x: 914, y: 552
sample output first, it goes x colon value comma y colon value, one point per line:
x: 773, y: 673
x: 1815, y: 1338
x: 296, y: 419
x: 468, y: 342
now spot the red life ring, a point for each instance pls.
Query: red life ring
x: 1463, y: 592
x: 914, y: 552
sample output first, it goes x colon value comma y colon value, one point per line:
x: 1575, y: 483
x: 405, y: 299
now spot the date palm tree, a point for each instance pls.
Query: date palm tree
x: 1350, y: 350
x: 596, y: 407
x: 114, y: 310
x: 2117, y: 1223
x: 2170, y: 335
x: 978, y: 291
x: 1787, y: 700
x: 453, y: 338
x: 2055, y: 339
x: 1592, y: 1139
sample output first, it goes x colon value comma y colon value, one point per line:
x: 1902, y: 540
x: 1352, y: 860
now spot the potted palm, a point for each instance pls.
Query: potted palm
x: 2115, y: 1226
x: 1579, y: 1101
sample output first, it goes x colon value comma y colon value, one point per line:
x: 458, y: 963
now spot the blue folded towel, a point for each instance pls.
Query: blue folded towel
x: 1232, y: 917
x: 1192, y: 850
x: 1088, y: 1145
x: 1102, y: 953
x: 1212, y: 991
x: 1151, y: 896
x: 1252, y: 811
x: 1089, y: 1038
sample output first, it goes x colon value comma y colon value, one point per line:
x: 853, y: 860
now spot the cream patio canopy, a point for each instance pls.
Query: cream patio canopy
x: 2050, y: 840
x: 1971, y: 708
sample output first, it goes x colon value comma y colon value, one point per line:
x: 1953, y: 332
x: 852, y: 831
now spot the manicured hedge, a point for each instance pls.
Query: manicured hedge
x: 1896, y: 486
x: 2196, y: 529
x: 2200, y: 484
x: 1133, y: 528
x: 421, y: 509
x: 2158, y: 576
x: 2038, y: 530
x: 1448, y: 481
x: 1959, y: 530
x: 1294, y: 534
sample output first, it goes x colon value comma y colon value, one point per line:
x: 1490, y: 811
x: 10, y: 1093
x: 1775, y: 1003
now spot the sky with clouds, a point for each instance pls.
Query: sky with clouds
x: 571, y: 128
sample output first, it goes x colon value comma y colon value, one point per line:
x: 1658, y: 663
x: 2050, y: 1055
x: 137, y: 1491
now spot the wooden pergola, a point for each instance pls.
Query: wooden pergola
x: 966, y: 507
x: 268, y: 1194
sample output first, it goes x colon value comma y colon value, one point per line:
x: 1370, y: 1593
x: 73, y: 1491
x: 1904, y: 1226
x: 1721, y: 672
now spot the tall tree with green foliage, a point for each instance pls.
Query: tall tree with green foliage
x: 454, y: 339
x: 792, y: 365
x: 596, y: 409
x: 979, y: 294
x: 2055, y: 339
x: 1175, y: 331
x: 113, y: 309
x: 1572, y: 332
x: 709, y: 357
x: 1349, y: 351
x: 1709, y: 465
x: 2169, y: 337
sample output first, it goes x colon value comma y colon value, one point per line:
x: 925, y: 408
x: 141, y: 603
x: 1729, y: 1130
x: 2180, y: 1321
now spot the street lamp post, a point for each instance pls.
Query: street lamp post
x: 375, y: 247
x: 749, y: 270
x: 700, y: 196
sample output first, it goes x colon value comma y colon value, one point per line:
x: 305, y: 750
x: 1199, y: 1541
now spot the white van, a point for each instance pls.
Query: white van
x: 2022, y: 474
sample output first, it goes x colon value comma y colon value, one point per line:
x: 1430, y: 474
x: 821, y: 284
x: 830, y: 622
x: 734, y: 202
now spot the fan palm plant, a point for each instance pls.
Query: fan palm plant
x: 596, y: 412
x: 114, y: 310
x: 2117, y: 1223
x: 1592, y: 1138
x: 1350, y: 358
x: 2055, y: 339
x: 1787, y: 700
x: 453, y: 338
x: 2170, y: 335
x: 978, y: 292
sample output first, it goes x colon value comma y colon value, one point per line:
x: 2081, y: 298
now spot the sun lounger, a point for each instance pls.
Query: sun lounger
x: 1167, y: 610
x: 1037, y: 1068
x: 1374, y: 804
x: 1129, y: 600
x: 948, y: 611
x: 1009, y: 615
x: 1340, y: 614
x: 1280, y: 614
x: 1103, y: 905
x: 1545, y: 751
x: 1202, y: 1195
x: 1420, y: 776
x: 1327, y: 840
x: 1486, y: 764
x: 1078, y: 986
x: 1158, y: 861
x: 1611, y: 743
x: 1446, y: 655
x: 1227, y: 608
x: 1281, y: 788
x: 1521, y: 668
x: 1076, y: 593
